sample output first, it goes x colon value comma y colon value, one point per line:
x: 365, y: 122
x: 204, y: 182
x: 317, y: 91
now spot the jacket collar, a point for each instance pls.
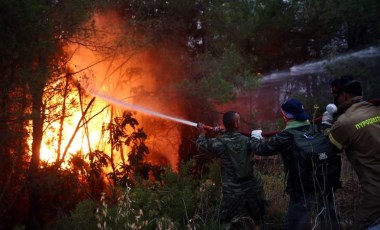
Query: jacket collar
x: 295, y: 124
x: 347, y: 104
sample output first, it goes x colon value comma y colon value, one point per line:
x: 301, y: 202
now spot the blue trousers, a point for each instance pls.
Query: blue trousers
x: 307, y: 212
x: 375, y: 227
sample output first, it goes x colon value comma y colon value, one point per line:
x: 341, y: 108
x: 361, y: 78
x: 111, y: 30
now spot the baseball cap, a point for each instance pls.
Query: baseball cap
x: 294, y: 109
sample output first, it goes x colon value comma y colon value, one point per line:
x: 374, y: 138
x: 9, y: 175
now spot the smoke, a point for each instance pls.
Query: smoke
x: 140, y: 75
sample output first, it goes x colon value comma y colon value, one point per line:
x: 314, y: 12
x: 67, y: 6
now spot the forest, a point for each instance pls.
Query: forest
x: 78, y: 149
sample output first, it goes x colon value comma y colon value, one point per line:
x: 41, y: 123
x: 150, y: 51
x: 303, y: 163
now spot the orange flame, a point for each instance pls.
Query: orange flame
x: 127, y: 73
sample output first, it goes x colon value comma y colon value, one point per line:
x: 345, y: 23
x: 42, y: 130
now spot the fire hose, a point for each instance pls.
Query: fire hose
x: 317, y: 120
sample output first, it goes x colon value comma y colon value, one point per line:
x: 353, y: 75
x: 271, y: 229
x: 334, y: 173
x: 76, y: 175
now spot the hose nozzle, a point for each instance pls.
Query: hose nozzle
x: 217, y: 128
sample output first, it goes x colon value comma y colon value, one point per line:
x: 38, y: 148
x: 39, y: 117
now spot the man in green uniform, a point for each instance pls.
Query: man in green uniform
x: 357, y: 131
x: 306, y: 195
x: 242, y: 188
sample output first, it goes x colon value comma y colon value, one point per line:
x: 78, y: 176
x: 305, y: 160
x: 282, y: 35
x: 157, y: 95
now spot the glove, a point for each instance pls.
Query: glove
x: 218, y: 129
x: 331, y: 108
x: 327, y: 118
x: 257, y: 134
x: 201, y: 128
x: 328, y: 115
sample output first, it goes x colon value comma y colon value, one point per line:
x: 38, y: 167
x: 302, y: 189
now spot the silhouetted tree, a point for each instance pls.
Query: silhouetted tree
x: 33, y: 35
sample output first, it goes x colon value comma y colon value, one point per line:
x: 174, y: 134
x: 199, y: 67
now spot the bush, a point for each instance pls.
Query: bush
x: 182, y: 200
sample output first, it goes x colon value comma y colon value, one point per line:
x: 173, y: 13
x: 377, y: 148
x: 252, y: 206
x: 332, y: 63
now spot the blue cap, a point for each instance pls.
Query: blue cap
x: 293, y: 109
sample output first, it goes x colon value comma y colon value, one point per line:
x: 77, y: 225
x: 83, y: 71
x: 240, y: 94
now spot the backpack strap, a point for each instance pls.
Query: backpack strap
x: 298, y: 166
x: 318, y: 157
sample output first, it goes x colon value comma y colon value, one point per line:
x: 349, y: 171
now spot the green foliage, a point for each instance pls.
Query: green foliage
x: 183, y: 201
x: 228, y: 23
x: 82, y: 217
x: 123, y: 132
x: 177, y: 201
x: 223, y: 45
x: 32, y: 28
x: 224, y: 75
x: 57, y: 187
x: 32, y: 40
x: 360, y: 22
x: 277, y: 200
x: 220, y: 63
x: 173, y: 197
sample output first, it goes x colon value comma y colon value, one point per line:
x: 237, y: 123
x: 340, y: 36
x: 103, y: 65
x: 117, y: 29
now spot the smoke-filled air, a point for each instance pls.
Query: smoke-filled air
x: 175, y: 114
x: 133, y: 78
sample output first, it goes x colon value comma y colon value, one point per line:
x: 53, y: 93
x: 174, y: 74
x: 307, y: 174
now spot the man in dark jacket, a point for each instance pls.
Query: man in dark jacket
x: 242, y: 188
x: 303, y: 197
x: 357, y: 131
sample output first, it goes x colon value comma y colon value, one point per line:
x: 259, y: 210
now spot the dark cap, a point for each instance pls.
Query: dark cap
x: 353, y: 87
x: 347, y: 84
x: 293, y: 109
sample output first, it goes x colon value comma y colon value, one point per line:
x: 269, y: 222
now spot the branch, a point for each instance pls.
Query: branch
x: 59, y: 162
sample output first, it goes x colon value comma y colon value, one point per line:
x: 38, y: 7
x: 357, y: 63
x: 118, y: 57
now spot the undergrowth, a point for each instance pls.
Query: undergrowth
x: 182, y: 200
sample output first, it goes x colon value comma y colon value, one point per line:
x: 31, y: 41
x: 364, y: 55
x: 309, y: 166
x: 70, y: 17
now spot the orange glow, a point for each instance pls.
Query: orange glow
x: 82, y: 140
x: 127, y: 73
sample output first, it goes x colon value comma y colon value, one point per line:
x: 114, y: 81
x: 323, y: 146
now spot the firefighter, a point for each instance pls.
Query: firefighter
x: 305, y: 198
x: 242, y: 188
x: 357, y: 132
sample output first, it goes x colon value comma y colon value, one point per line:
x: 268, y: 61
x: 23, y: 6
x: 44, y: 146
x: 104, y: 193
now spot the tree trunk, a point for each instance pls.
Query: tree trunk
x: 36, y: 84
x: 34, y: 199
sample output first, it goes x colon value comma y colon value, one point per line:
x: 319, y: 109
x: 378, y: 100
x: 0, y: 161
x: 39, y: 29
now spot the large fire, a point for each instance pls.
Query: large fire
x: 131, y: 75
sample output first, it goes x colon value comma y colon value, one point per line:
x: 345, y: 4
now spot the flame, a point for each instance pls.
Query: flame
x: 127, y: 73
x: 82, y: 140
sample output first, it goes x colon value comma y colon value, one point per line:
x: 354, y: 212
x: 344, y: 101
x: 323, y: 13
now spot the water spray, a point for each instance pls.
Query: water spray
x: 219, y: 129
x: 319, y: 66
x: 127, y: 105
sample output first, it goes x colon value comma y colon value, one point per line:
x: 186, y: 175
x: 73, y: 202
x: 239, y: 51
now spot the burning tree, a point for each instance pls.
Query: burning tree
x: 180, y: 57
x: 33, y: 37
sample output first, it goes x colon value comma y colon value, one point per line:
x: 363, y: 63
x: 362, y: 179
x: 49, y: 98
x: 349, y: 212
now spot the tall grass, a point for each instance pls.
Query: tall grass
x: 182, y: 200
